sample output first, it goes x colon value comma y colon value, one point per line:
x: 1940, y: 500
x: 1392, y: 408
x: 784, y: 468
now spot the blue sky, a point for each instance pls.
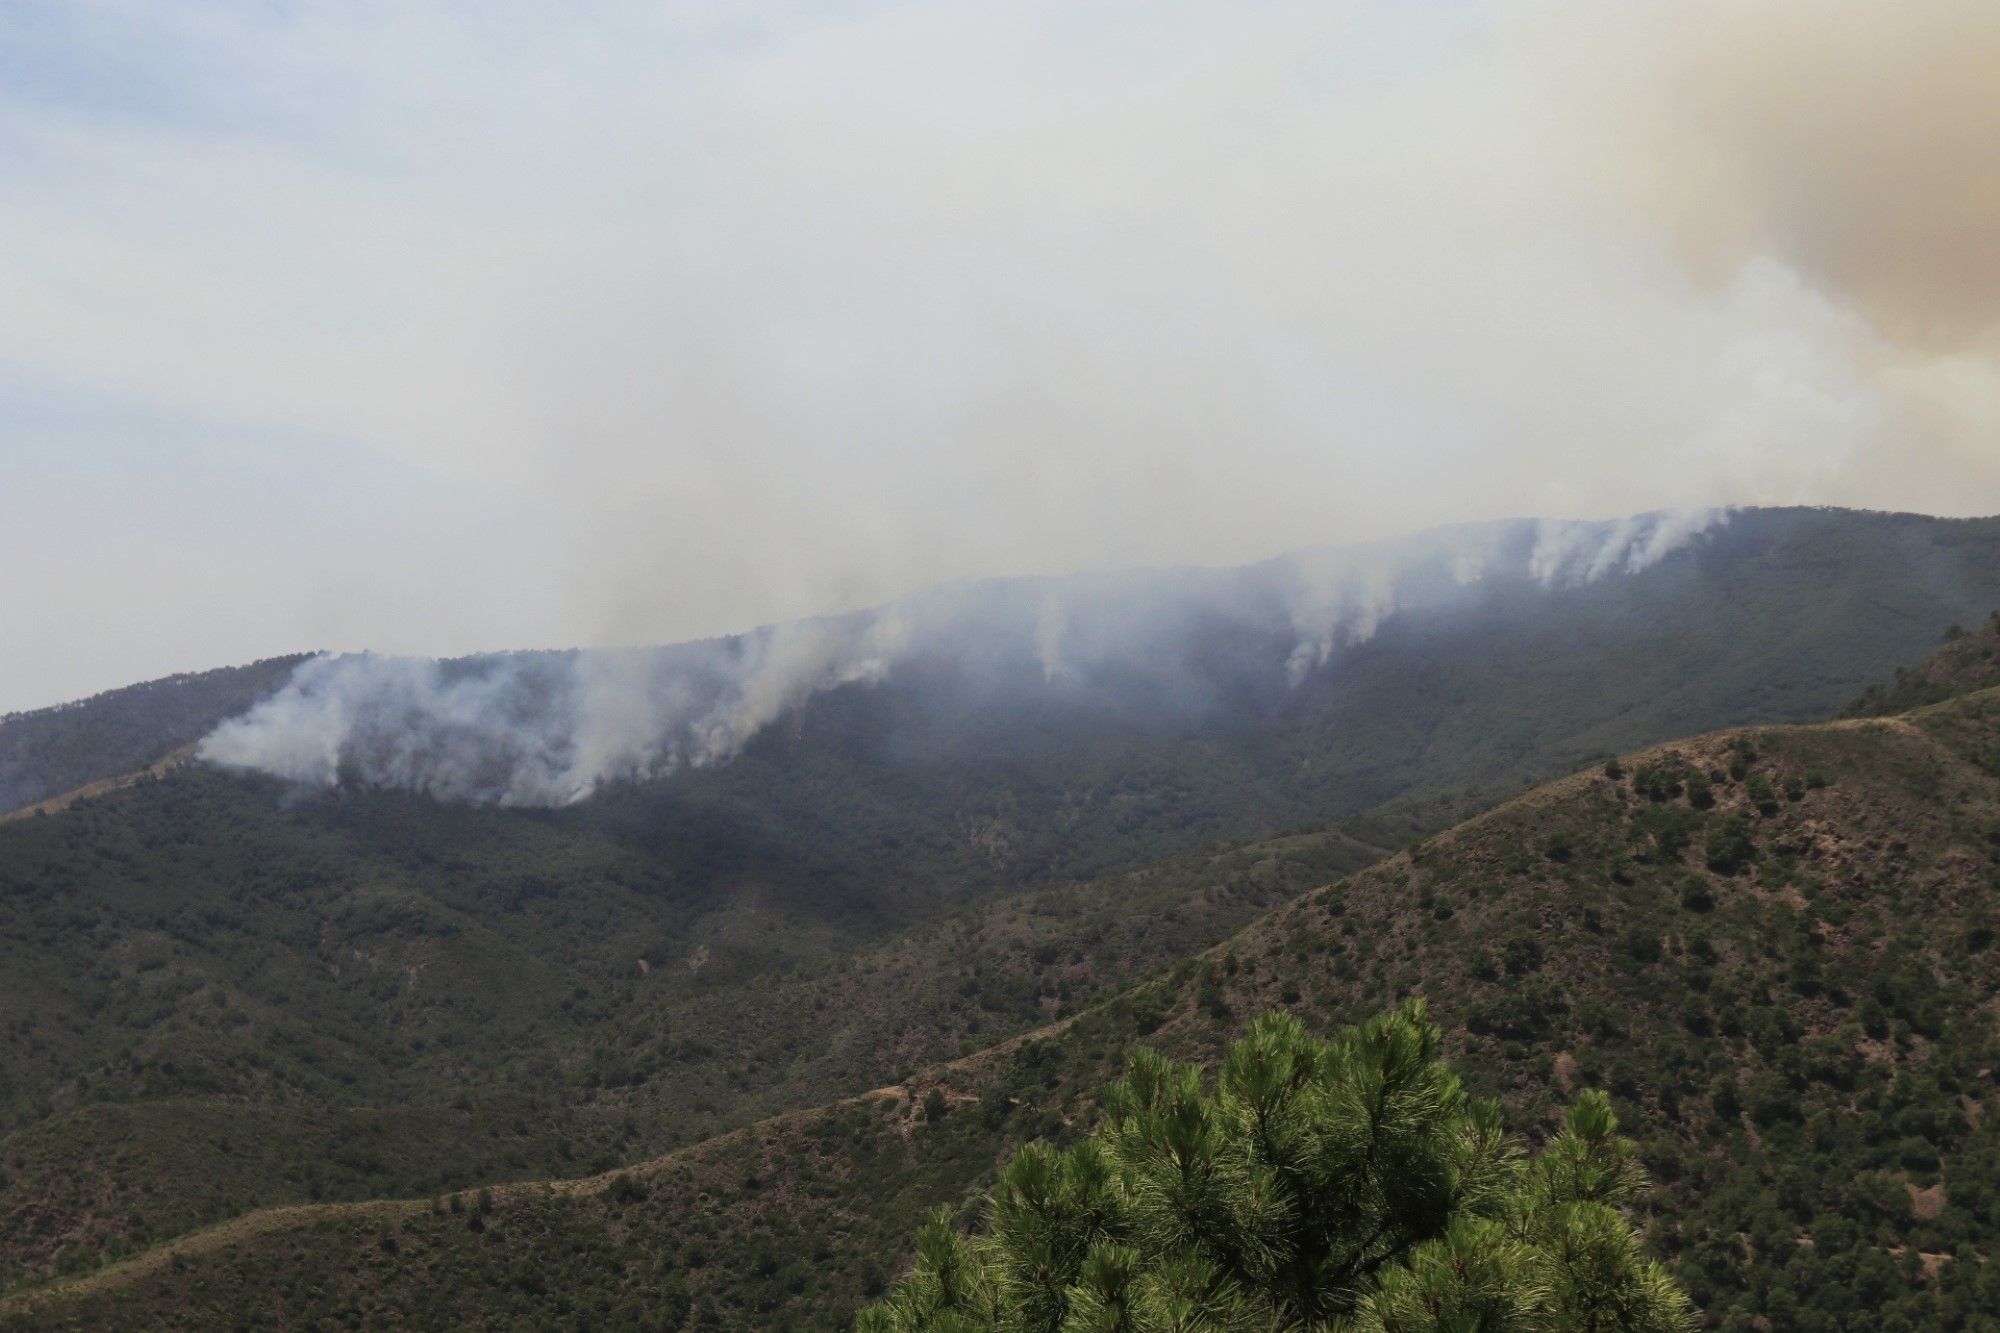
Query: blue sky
x: 432, y: 327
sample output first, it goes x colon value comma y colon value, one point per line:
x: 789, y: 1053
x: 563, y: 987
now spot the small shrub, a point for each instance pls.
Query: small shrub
x: 1730, y: 847
x: 1641, y: 945
x: 1522, y: 953
x: 1696, y: 896
x: 1742, y: 754
x: 1658, y: 782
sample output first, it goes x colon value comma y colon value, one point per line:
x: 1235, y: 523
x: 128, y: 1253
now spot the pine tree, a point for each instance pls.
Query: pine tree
x: 1348, y: 1186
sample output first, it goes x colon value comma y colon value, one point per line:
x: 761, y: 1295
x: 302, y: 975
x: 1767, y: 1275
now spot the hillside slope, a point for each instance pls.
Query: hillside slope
x: 212, y: 1007
x: 50, y: 751
x: 1968, y: 661
x: 215, y: 996
x: 1776, y: 948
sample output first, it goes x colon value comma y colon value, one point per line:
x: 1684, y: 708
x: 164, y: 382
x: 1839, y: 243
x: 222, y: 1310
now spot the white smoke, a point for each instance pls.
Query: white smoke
x: 1570, y: 554
x: 788, y: 666
x: 1050, y: 621
x: 1341, y: 598
x: 548, y: 729
x: 543, y: 729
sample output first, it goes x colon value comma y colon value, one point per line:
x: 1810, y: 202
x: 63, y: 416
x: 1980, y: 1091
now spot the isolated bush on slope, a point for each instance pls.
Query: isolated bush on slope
x: 1342, y: 1185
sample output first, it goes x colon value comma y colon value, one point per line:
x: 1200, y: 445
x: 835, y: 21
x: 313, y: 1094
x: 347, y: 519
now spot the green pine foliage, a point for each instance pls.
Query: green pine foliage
x: 1350, y: 1185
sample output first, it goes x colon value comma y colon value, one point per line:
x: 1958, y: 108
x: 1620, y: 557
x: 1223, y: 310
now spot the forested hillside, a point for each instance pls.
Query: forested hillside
x: 1045, y: 728
x: 220, y: 994
x: 276, y: 1012
x: 1774, y: 948
x: 51, y: 751
x: 262, y: 997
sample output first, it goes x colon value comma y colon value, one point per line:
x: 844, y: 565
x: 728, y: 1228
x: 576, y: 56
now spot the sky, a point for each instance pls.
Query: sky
x: 434, y: 327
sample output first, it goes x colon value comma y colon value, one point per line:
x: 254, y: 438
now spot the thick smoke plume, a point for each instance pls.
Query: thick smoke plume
x: 547, y: 729
x: 542, y: 728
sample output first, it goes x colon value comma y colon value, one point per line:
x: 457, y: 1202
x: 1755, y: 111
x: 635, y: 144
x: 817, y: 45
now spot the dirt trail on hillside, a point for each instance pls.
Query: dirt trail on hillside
x: 286, y: 1217
x: 158, y: 768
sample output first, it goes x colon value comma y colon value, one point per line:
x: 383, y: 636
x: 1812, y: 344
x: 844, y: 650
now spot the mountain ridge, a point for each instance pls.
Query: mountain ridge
x: 1320, y: 601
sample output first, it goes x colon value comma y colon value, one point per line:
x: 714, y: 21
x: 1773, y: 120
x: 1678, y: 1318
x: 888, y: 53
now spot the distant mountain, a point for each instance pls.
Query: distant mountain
x: 1776, y: 948
x: 1040, y: 728
x: 1176, y: 720
x: 51, y: 751
x: 1315, y: 686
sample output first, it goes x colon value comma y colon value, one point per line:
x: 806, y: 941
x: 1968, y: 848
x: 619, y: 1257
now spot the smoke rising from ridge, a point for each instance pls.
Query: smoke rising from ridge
x: 548, y: 729
x: 541, y: 729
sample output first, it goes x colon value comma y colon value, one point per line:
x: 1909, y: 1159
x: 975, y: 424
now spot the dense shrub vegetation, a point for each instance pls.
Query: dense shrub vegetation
x: 214, y: 1006
x: 1804, y: 1050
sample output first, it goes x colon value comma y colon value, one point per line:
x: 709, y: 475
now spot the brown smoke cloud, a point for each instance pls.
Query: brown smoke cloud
x: 1856, y: 142
x: 1849, y: 149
